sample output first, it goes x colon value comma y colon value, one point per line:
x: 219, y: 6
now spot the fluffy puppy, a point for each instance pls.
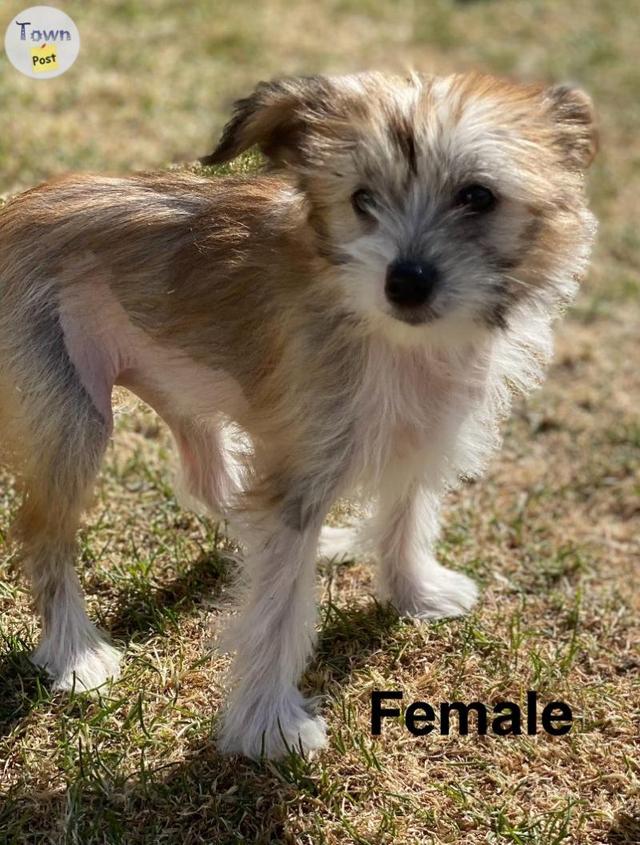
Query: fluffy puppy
x: 354, y: 320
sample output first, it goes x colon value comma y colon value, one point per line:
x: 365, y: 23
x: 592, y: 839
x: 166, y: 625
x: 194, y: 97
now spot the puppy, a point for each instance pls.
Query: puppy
x: 354, y: 320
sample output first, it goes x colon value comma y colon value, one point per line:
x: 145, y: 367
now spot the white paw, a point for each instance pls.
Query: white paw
x: 86, y: 667
x: 273, y: 731
x: 338, y: 542
x: 438, y: 593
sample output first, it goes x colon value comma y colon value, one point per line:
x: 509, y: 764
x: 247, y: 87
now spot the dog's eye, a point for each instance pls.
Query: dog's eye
x: 476, y: 199
x: 363, y: 202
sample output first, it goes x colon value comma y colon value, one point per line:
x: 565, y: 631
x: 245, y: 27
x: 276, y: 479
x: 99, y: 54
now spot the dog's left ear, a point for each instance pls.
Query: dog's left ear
x: 573, y: 114
x: 275, y: 117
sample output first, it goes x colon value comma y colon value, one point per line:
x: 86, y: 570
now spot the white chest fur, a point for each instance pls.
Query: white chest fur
x: 412, y: 403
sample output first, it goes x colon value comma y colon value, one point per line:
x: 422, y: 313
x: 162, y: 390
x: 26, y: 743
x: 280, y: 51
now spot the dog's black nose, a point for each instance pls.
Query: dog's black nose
x: 410, y: 283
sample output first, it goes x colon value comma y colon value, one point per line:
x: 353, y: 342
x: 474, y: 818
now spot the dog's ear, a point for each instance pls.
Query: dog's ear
x: 275, y: 117
x: 573, y: 115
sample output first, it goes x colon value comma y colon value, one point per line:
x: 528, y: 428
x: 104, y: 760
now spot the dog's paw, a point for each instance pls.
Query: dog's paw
x: 85, y: 668
x: 264, y: 730
x: 438, y: 593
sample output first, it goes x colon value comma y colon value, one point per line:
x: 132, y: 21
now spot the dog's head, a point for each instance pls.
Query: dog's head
x: 444, y: 203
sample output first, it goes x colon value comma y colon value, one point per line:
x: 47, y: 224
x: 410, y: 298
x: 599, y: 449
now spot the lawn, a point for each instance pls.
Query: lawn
x: 552, y: 534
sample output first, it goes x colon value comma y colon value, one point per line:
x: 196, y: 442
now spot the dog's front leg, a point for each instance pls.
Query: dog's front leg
x: 405, y: 530
x: 273, y: 638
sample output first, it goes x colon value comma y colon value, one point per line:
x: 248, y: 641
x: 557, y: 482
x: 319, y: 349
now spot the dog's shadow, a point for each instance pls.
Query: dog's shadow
x: 144, y: 612
x: 22, y: 688
x: 141, y: 614
x: 204, y: 797
x: 350, y: 635
x: 626, y: 829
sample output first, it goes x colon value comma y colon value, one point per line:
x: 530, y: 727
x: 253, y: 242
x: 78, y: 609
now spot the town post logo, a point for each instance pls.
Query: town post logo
x: 42, y: 42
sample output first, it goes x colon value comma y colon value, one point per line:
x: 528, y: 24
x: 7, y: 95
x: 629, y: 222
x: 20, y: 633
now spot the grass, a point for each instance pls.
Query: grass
x: 551, y: 534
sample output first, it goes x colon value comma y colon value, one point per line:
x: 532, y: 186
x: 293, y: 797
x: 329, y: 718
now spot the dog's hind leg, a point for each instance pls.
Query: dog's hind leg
x: 210, y: 475
x: 65, y: 436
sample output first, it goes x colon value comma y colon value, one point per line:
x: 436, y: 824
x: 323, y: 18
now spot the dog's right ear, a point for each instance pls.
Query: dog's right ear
x: 275, y: 118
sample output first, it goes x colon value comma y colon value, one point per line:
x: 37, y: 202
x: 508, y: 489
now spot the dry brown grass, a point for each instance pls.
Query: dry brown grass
x: 552, y: 533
